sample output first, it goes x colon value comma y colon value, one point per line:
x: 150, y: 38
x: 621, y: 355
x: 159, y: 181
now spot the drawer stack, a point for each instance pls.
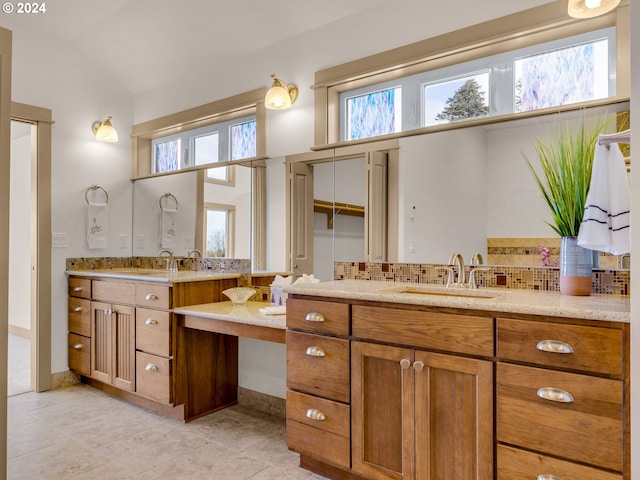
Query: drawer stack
x: 560, y: 398
x: 79, y: 317
x: 318, y: 380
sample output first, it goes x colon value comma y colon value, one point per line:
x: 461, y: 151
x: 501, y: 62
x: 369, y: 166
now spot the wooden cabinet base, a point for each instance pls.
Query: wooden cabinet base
x: 326, y: 470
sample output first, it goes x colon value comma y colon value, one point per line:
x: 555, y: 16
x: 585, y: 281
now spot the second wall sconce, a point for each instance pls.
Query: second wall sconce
x: 280, y: 95
x: 104, y: 131
x: 590, y: 8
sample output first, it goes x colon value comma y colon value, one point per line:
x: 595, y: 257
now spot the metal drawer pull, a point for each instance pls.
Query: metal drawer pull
x: 151, y: 321
x: 107, y: 311
x: 151, y: 296
x: 418, y: 366
x: 315, y: 414
x: 314, y: 317
x: 405, y: 363
x: 548, y: 477
x: 78, y: 346
x: 77, y: 289
x: 151, y: 367
x: 555, y: 395
x: 315, y: 352
x: 77, y: 309
x: 554, y: 346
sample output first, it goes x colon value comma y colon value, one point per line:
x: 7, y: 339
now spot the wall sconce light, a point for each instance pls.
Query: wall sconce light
x: 280, y: 95
x: 590, y: 8
x: 104, y: 131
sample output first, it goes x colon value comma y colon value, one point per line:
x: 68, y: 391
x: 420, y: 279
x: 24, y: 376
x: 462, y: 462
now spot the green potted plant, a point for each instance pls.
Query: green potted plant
x: 565, y: 162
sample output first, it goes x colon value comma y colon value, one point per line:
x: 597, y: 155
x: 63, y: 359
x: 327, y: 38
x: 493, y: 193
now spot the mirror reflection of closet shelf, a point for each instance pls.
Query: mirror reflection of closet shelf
x: 336, y: 208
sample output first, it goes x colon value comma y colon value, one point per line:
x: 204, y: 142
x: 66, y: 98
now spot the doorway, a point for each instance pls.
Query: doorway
x: 29, y: 303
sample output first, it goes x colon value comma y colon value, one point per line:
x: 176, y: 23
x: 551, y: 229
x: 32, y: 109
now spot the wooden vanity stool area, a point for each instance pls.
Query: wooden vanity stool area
x: 124, y: 339
x: 387, y: 391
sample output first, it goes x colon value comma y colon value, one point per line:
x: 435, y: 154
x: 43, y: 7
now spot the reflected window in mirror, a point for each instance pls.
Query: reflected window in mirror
x: 219, y: 231
x: 220, y: 142
x: 551, y: 74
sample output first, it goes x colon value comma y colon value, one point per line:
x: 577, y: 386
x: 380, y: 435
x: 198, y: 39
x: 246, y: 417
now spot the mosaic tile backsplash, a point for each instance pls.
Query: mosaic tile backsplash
x: 222, y: 265
x: 605, y: 281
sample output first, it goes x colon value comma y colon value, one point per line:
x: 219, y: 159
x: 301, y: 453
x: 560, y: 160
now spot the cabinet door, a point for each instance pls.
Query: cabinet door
x: 454, y: 417
x: 382, y: 406
x: 113, y: 344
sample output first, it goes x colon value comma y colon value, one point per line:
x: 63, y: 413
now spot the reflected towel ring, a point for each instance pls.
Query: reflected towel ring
x: 168, y: 195
x: 96, y: 187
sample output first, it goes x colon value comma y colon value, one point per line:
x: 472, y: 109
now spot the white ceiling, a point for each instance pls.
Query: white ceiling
x: 142, y: 34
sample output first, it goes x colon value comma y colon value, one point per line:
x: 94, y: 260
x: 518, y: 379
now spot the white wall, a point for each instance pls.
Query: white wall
x: 51, y: 74
x: 20, y: 228
x: 442, y: 204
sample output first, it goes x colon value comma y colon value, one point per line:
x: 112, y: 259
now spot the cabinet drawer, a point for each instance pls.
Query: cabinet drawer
x: 155, y: 296
x: 317, y: 316
x: 593, y: 349
x: 319, y: 413
x: 79, y: 287
x: 79, y: 316
x: 153, y: 331
x: 431, y: 330
x: 320, y: 444
x: 79, y: 354
x: 153, y: 377
x: 516, y: 464
x: 587, y: 428
x: 318, y: 365
x: 114, y: 292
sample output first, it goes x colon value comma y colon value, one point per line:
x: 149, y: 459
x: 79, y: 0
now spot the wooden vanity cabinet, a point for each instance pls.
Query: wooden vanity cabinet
x: 123, y: 338
x: 79, y: 316
x: 560, y: 393
x: 420, y: 414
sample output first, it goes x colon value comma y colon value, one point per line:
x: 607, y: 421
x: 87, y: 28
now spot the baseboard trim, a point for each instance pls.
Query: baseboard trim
x: 262, y: 402
x: 63, y: 379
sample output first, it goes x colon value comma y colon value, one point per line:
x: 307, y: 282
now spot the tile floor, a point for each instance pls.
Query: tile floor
x: 78, y: 432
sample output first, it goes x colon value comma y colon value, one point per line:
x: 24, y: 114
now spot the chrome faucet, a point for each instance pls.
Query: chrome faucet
x: 456, y: 258
x: 171, y: 262
x: 476, y: 259
x: 196, y: 254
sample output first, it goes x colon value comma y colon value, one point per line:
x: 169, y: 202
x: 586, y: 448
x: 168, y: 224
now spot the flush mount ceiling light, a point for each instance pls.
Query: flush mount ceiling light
x: 280, y: 95
x: 104, y: 131
x: 590, y: 8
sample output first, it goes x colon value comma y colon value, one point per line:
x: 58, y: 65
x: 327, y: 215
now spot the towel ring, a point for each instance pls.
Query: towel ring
x: 96, y: 187
x: 167, y: 196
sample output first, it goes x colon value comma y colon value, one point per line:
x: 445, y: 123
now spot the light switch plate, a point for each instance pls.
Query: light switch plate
x: 59, y: 240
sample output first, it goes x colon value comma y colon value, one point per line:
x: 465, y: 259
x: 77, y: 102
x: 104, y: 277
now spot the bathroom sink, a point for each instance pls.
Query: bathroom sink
x: 441, y: 291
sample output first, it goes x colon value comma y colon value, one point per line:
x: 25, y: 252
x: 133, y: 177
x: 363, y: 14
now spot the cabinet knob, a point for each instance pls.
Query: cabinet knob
x: 405, y: 363
x: 418, y: 366
x: 107, y: 311
x: 151, y: 367
x: 554, y: 346
x: 555, y: 395
x: 151, y: 321
x: 78, y: 346
x: 315, y: 414
x: 548, y: 477
x: 315, y: 352
x: 151, y: 296
x: 77, y: 309
x: 314, y: 317
x: 77, y: 289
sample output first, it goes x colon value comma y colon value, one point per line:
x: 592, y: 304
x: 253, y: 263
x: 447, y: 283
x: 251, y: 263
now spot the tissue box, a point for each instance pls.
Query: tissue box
x: 278, y: 297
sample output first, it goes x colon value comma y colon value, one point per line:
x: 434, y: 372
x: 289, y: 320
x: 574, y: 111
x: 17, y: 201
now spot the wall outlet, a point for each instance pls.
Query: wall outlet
x: 123, y: 240
x: 140, y: 241
x: 412, y: 246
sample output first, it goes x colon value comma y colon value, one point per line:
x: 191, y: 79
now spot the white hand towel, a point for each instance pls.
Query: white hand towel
x: 97, y: 227
x: 168, y: 227
x: 605, y: 225
x: 273, y: 310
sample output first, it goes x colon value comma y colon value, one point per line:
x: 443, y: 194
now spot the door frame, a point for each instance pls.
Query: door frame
x: 41, y: 315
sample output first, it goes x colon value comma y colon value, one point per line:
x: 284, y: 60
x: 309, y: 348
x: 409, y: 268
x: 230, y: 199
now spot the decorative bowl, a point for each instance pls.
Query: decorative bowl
x: 239, y: 295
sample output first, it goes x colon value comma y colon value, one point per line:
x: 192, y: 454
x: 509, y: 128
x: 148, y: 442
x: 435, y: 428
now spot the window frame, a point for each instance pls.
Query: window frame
x: 535, y: 26
x: 230, y: 227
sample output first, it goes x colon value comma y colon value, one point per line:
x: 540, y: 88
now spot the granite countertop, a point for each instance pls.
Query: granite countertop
x: 248, y: 313
x: 593, y: 307
x: 153, y: 275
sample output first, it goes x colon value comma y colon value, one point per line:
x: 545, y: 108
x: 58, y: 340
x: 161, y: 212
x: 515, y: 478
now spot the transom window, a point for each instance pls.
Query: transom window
x: 570, y: 70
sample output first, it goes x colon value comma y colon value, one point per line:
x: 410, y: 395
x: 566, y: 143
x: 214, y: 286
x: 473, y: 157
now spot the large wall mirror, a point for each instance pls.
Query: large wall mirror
x: 432, y: 195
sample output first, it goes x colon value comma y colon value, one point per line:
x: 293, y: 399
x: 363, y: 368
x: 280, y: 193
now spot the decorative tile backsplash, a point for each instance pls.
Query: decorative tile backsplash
x: 222, y: 265
x: 605, y: 281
